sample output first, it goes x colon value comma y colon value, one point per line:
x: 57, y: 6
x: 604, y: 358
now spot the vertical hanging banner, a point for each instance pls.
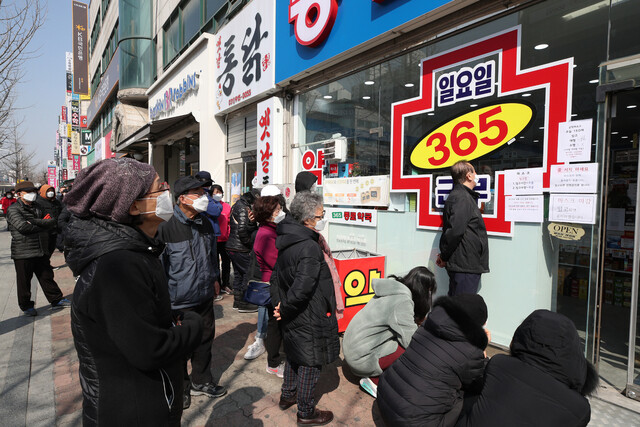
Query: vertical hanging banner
x: 269, y: 157
x: 245, y: 55
x: 76, y: 162
x: 51, y: 175
x: 75, y: 142
x: 486, y: 70
x: 80, y: 63
x: 75, y: 113
x: 86, y: 137
x: 63, y: 116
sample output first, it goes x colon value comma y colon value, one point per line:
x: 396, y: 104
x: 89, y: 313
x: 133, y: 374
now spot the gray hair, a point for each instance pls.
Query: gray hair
x: 304, y: 205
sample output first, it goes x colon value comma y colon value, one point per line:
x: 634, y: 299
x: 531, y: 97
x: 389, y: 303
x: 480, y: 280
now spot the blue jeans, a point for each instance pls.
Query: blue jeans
x: 263, y: 318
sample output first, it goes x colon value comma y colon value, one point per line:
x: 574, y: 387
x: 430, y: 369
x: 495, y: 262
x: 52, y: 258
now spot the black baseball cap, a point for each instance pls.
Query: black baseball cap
x: 186, y: 183
x: 205, y: 177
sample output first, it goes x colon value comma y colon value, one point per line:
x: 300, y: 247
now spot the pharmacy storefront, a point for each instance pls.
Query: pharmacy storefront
x: 540, y: 97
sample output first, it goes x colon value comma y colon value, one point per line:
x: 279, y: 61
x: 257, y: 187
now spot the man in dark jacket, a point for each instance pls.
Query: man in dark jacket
x: 444, y: 360
x: 30, y: 230
x: 543, y: 382
x: 190, y: 264
x: 243, y: 232
x: 50, y: 205
x: 130, y: 347
x: 305, y: 305
x: 464, y: 247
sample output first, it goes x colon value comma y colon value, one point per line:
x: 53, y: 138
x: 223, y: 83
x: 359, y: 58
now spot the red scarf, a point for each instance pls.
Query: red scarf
x: 337, y: 284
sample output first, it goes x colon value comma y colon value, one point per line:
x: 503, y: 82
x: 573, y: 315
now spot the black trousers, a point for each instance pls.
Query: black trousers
x: 273, y: 341
x: 240, y: 261
x: 226, y: 264
x: 201, y: 356
x: 463, y: 283
x: 41, y: 267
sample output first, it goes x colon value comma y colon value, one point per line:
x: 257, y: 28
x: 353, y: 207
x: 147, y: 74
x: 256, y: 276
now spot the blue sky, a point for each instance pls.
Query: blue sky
x: 41, y: 95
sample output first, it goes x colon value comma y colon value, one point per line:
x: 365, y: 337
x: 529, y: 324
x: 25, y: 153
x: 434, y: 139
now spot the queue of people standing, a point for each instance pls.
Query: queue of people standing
x: 148, y: 272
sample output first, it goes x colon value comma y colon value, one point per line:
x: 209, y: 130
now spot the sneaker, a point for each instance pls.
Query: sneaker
x: 255, y: 350
x: 369, y: 386
x: 186, y: 400
x: 218, y: 298
x: 63, y: 303
x: 208, y: 389
x: 245, y: 307
x: 226, y: 290
x: 30, y: 312
x: 278, y: 371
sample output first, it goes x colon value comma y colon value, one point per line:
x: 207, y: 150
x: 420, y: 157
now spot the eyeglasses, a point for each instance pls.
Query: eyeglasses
x: 320, y: 217
x: 163, y: 187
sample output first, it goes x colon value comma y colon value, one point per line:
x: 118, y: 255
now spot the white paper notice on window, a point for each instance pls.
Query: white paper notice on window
x: 523, y: 181
x: 574, y: 141
x: 580, y: 178
x: 524, y: 208
x: 578, y: 208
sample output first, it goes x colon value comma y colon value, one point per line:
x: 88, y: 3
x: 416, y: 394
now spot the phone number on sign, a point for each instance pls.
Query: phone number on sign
x: 240, y: 97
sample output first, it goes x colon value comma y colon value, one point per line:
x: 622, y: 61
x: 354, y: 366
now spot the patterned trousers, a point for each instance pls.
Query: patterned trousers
x: 301, y: 380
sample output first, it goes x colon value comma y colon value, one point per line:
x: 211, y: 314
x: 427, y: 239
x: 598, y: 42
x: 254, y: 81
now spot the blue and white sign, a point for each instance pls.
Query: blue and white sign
x: 310, y: 32
x: 174, y: 95
x: 444, y: 185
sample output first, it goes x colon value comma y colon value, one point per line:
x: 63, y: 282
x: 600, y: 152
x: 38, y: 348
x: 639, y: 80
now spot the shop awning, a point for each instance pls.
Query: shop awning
x: 152, y: 131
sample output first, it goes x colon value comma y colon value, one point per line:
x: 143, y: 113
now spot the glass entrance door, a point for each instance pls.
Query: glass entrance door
x: 618, y: 298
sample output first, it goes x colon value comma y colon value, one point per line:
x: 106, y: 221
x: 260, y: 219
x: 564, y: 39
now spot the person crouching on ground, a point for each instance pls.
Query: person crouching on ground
x: 129, y: 351
x: 445, y: 360
x: 305, y: 305
x: 380, y: 332
x: 543, y: 382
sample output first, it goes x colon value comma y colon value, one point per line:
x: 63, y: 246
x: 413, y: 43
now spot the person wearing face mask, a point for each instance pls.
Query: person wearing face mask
x: 190, y: 264
x: 50, y: 205
x: 30, y: 229
x: 305, y: 305
x: 129, y: 345
x: 268, y: 213
x: 223, y: 221
x: 7, y: 201
x: 213, y: 212
x: 464, y: 246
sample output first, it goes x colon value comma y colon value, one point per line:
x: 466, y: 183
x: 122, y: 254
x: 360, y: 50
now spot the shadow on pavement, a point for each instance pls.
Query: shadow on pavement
x: 241, y: 417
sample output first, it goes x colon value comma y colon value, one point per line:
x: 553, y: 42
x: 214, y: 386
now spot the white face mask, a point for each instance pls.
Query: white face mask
x: 313, y: 188
x: 164, y: 206
x: 476, y: 179
x: 50, y: 194
x: 320, y: 224
x: 217, y: 197
x: 201, y: 203
x: 279, y: 217
x: 30, y: 197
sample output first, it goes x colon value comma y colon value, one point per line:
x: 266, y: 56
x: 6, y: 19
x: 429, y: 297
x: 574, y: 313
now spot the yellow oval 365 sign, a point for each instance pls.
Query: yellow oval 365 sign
x: 471, y: 135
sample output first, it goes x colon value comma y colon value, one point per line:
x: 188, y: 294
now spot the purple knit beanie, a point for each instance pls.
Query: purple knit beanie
x: 108, y: 188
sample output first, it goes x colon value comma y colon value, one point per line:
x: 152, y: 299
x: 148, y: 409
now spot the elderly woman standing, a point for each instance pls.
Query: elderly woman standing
x: 305, y: 305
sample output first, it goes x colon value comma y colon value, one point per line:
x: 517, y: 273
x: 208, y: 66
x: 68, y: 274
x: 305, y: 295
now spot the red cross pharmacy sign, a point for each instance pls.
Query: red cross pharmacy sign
x: 487, y: 68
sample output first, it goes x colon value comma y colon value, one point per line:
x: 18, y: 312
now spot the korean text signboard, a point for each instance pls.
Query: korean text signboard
x: 75, y: 113
x: 245, y: 56
x: 486, y: 71
x: 80, y: 54
x: 364, y: 217
x: 51, y: 176
x: 357, y: 191
x: 75, y: 142
x: 578, y: 208
x: 266, y: 135
x: 574, y: 141
x: 578, y: 178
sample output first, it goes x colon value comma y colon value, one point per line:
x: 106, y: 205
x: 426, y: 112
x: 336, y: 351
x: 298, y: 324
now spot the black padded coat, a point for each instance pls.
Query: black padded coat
x: 542, y: 383
x: 242, y: 231
x: 464, y: 245
x: 131, y: 357
x: 304, y: 289
x: 29, y: 232
x: 426, y: 385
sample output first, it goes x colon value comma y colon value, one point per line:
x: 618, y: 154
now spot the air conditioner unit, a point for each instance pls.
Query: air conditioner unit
x: 335, y: 149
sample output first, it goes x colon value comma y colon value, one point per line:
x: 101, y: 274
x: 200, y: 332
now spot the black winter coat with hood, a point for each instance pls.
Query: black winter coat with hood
x: 29, y: 231
x: 131, y: 358
x: 464, y: 245
x: 426, y: 385
x: 302, y: 284
x: 242, y: 230
x: 542, y: 383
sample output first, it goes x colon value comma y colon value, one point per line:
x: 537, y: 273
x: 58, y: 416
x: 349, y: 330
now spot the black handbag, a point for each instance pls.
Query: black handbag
x: 258, y: 293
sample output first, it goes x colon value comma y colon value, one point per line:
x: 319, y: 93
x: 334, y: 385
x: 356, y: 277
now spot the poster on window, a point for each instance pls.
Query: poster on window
x: 245, y: 56
x: 477, y: 102
x: 357, y: 191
